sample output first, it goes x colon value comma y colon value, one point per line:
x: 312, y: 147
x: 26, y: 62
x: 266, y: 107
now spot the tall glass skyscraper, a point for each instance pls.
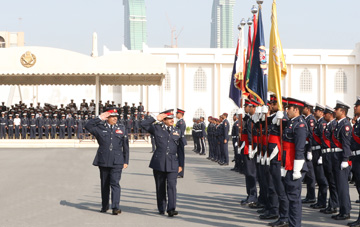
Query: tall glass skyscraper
x: 222, y: 24
x: 135, y: 24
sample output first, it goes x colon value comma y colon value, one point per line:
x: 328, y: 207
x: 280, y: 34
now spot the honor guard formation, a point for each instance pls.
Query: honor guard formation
x: 20, y: 121
x: 279, y: 150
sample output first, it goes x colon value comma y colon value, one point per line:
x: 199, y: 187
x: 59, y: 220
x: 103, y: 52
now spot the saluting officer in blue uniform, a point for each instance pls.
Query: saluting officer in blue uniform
x: 327, y: 145
x: 181, y: 125
x: 167, y: 160
x: 294, y: 138
x: 112, y: 156
x: 355, y: 151
x: 341, y: 137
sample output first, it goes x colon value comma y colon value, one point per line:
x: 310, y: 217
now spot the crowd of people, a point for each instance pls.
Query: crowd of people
x: 21, y: 121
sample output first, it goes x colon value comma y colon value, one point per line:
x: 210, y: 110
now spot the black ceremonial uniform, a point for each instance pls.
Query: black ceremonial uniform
x: 112, y: 154
x: 165, y: 162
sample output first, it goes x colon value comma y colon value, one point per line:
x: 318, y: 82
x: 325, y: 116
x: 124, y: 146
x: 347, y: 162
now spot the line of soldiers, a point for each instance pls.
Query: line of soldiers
x: 278, y: 149
x: 49, y: 121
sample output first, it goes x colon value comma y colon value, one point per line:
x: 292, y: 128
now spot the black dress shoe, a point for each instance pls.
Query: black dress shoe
x: 308, y: 201
x: 208, y: 158
x: 234, y: 169
x: 329, y: 210
x: 161, y: 212
x: 103, y: 210
x: 180, y: 176
x: 317, y: 206
x: 268, y: 216
x: 354, y: 224
x: 256, y: 205
x: 171, y: 213
x: 225, y: 164
x: 341, y: 217
x: 279, y: 223
x: 261, y: 211
x: 116, y: 211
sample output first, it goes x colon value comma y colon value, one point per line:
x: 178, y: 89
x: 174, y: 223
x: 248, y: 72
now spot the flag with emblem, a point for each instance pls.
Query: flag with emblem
x: 257, y: 85
x: 237, y: 74
x: 277, y: 65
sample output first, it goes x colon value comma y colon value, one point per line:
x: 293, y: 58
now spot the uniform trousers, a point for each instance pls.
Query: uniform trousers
x: 310, y: 180
x: 17, y: 131
x: 110, y: 178
x: 165, y: 184
x: 250, y: 178
x: 62, y: 132
x: 53, y: 132
x: 23, y: 132
x: 224, y: 151
x: 203, y: 145
x: 260, y: 175
x: 11, y: 132
x: 328, y: 171
x: 320, y: 178
x: 197, y: 142
x: 293, y: 192
x: 2, y: 132
x: 182, y: 148
x: 342, y: 185
x: 356, y: 170
x: 217, y: 149
x: 32, y: 132
x: 46, y: 132
x: 211, y: 147
x: 235, y: 142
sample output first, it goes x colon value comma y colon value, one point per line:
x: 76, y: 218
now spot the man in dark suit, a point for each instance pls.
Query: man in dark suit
x: 112, y: 156
x: 167, y: 160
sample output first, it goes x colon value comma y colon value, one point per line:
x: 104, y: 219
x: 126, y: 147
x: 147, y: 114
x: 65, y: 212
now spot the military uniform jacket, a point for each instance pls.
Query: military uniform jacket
x: 10, y: 123
x: 168, y: 155
x: 47, y: 122
x: 203, y: 129
x: 294, y: 138
x: 310, y: 121
x: 24, y: 122
x: 3, y: 121
x: 55, y: 122
x: 70, y: 122
x: 355, y: 139
x: 113, y: 143
x: 326, y: 141
x: 318, y: 131
x: 79, y: 123
x: 32, y: 122
x: 181, y: 125
x: 226, y: 128
x: 235, y: 130
x: 219, y: 132
x: 40, y: 122
x: 342, y: 137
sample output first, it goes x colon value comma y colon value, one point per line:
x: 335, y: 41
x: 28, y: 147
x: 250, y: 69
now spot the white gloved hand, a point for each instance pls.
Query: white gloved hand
x: 344, y: 165
x: 283, y: 171
x: 298, y: 165
x: 241, y: 111
x: 279, y: 116
x: 274, y: 153
x: 236, y: 144
x: 258, y: 158
x: 255, y: 117
x: 258, y: 110
x: 320, y: 161
x: 262, y: 161
x: 263, y: 117
x: 268, y: 161
x: 264, y: 109
x: 309, y: 156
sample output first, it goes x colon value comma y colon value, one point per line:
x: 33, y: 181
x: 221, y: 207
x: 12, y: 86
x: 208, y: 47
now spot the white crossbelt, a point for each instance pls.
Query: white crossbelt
x: 354, y: 153
x: 337, y: 150
x: 327, y: 150
x: 316, y: 147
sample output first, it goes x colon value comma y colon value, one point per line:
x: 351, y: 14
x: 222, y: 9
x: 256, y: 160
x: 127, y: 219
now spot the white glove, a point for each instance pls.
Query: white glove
x: 309, y: 156
x: 283, y: 171
x: 298, y: 165
x: 242, y: 146
x: 279, y: 116
x: 258, y: 158
x: 236, y: 144
x: 268, y: 161
x: 344, y: 165
x: 264, y: 109
x: 274, y: 153
x: 255, y: 117
x: 320, y: 161
x: 258, y: 110
x: 241, y: 111
x: 263, y: 117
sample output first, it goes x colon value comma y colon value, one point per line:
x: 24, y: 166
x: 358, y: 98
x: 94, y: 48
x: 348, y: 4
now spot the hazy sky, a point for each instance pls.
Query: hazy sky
x: 69, y: 24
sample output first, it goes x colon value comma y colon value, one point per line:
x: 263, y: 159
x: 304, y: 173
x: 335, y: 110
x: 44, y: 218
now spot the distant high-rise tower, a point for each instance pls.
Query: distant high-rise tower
x: 135, y: 24
x: 222, y: 24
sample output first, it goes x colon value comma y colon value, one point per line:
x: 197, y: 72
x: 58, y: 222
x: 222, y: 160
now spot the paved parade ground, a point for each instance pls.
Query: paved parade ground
x: 60, y: 187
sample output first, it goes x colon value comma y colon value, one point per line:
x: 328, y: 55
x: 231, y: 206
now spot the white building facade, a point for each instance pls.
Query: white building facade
x: 198, y: 81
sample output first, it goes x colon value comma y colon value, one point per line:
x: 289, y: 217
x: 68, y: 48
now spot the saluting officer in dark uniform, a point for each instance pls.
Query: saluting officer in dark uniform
x: 341, y: 137
x: 167, y: 160
x: 112, y: 156
x: 294, y: 138
x: 327, y: 145
x: 181, y: 125
x: 355, y: 151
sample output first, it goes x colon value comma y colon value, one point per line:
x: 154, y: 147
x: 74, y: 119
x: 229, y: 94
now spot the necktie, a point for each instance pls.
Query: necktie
x: 168, y: 129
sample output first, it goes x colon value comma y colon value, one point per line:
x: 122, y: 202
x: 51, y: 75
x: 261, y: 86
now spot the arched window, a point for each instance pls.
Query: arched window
x: 200, y: 80
x: 340, y: 82
x: 200, y: 113
x: 167, y: 82
x: 2, y: 42
x: 306, y: 81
